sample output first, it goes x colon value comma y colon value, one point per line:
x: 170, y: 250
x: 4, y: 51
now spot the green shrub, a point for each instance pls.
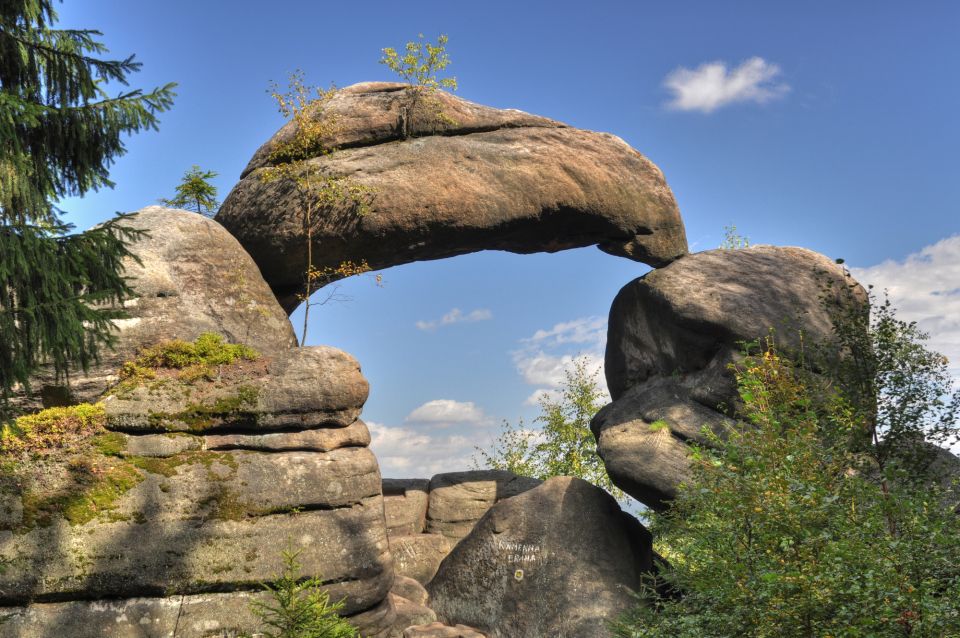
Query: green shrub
x: 300, y: 608
x: 786, y: 530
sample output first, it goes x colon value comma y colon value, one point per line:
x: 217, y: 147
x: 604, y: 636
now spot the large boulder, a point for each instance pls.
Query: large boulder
x: 192, y: 277
x: 559, y: 560
x: 447, y: 177
x: 672, y: 335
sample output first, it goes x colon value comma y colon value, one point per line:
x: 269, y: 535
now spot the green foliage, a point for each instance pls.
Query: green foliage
x: 733, y: 240
x: 59, y: 133
x: 564, y: 445
x: 195, y: 193
x: 318, y: 192
x: 900, y: 391
x: 784, y: 530
x: 51, y: 428
x: 420, y: 63
x: 300, y: 608
x: 209, y: 349
x: 419, y: 66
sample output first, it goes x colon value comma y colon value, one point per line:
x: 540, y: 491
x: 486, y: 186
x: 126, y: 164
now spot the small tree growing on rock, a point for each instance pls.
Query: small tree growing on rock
x: 195, y: 193
x: 419, y: 66
x: 317, y: 191
x: 300, y: 608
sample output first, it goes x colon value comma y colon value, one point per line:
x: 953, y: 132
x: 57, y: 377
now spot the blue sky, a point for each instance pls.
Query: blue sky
x: 821, y: 124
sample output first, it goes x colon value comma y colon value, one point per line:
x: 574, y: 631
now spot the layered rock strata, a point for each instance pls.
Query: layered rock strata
x: 443, y: 176
x: 210, y: 509
x: 168, y: 521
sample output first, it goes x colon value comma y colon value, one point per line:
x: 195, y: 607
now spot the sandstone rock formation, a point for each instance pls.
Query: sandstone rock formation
x: 427, y: 518
x: 195, y: 516
x: 672, y: 334
x: 558, y: 560
x: 298, y: 388
x: 450, y: 177
x: 193, y: 277
x: 459, y: 499
x: 167, y: 522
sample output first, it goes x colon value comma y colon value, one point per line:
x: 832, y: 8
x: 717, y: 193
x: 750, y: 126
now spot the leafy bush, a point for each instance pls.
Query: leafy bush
x: 787, y: 530
x: 420, y: 63
x: 300, y: 608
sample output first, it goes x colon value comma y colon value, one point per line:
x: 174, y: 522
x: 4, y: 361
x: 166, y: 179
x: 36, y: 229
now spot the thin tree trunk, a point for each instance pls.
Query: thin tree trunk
x: 306, y: 309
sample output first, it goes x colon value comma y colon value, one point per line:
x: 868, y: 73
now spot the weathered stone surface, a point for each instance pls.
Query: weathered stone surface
x: 475, y: 179
x: 459, y: 499
x: 199, y: 616
x: 391, y: 617
x: 120, y: 559
x: 559, y: 560
x: 642, y: 438
x: 671, y: 337
x: 194, y: 278
x: 419, y: 555
x: 308, y: 387
x: 408, y: 588
x: 160, y: 445
x: 439, y: 630
x: 320, y: 440
x: 677, y: 319
x: 411, y: 613
x: 405, y: 505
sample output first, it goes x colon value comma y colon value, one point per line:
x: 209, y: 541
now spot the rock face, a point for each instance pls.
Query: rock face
x: 672, y: 334
x: 449, y: 177
x: 459, y: 499
x: 307, y: 387
x: 559, y: 560
x: 203, y: 512
x: 167, y: 522
x: 427, y: 518
x: 194, y: 277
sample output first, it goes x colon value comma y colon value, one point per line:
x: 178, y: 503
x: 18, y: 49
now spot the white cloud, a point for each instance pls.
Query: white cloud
x: 711, y: 85
x: 925, y: 287
x: 592, y: 330
x: 456, y: 316
x: 405, y: 452
x: 544, y: 358
x: 445, y: 412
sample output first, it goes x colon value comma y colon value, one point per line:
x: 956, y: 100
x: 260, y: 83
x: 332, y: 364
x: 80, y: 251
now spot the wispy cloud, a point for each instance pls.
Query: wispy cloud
x: 456, y: 316
x: 544, y: 358
x: 712, y: 85
x: 444, y: 412
x: 924, y: 288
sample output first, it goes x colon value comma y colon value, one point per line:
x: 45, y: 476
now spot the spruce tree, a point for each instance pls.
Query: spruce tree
x: 195, y: 193
x: 59, y: 133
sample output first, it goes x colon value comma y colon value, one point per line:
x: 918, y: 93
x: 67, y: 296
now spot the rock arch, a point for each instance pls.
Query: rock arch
x: 465, y: 178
